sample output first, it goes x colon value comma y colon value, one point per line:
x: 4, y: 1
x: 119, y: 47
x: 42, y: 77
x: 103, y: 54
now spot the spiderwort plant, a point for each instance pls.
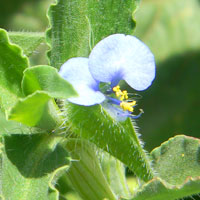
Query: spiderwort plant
x: 117, y: 57
x: 47, y: 140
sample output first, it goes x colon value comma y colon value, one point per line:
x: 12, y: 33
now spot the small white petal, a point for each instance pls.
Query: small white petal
x: 76, y: 72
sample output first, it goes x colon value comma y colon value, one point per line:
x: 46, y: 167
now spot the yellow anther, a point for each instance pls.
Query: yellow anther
x: 121, y: 94
x: 125, y: 94
x: 116, y: 88
x: 118, y: 93
x: 121, y: 98
x: 127, y: 105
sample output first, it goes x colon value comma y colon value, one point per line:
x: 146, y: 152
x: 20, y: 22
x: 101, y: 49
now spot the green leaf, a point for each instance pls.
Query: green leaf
x: 114, y: 172
x: 85, y: 172
x: 12, y: 65
x: 28, y: 41
x: 177, y: 164
x: 77, y: 25
x: 157, y: 189
x: 47, y: 79
x: 40, y: 84
x: 179, y: 157
x: 8, y: 127
x: 65, y: 188
x: 29, y: 166
x: 171, y: 24
x: 34, y: 110
x: 116, y: 137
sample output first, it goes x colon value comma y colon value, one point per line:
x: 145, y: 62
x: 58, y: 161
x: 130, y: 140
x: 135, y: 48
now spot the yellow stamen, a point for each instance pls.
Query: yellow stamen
x: 127, y: 105
x: 116, y: 88
x: 121, y: 98
x: 118, y: 93
x: 121, y: 94
x: 125, y: 93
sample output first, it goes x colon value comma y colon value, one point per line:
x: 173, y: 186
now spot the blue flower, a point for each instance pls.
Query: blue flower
x: 117, y: 57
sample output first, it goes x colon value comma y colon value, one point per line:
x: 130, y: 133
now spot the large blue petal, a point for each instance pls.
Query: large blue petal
x: 121, y: 57
x: 76, y: 72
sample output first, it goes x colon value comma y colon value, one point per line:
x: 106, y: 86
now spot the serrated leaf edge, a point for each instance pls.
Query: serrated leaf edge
x: 49, y: 29
x: 18, y: 48
x: 171, y: 138
x: 54, y: 177
x: 166, y: 185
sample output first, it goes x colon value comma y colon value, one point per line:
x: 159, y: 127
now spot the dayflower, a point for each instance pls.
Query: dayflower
x: 117, y: 57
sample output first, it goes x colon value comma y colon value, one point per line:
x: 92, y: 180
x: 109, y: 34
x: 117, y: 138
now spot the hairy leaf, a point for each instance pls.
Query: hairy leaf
x: 9, y: 127
x: 114, y: 172
x: 76, y: 26
x: 179, y: 157
x: 12, y: 65
x: 29, y: 164
x: 34, y: 110
x: 28, y: 41
x: 157, y: 189
x: 46, y: 78
x: 177, y: 163
x: 116, y: 137
x: 85, y: 173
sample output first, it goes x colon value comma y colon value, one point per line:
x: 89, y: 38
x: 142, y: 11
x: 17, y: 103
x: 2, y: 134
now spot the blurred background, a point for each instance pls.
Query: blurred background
x: 26, y: 16
x: 171, y: 29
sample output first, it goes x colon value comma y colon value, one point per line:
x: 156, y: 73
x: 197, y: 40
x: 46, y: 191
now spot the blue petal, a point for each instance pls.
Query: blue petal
x: 119, y: 57
x: 76, y: 72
